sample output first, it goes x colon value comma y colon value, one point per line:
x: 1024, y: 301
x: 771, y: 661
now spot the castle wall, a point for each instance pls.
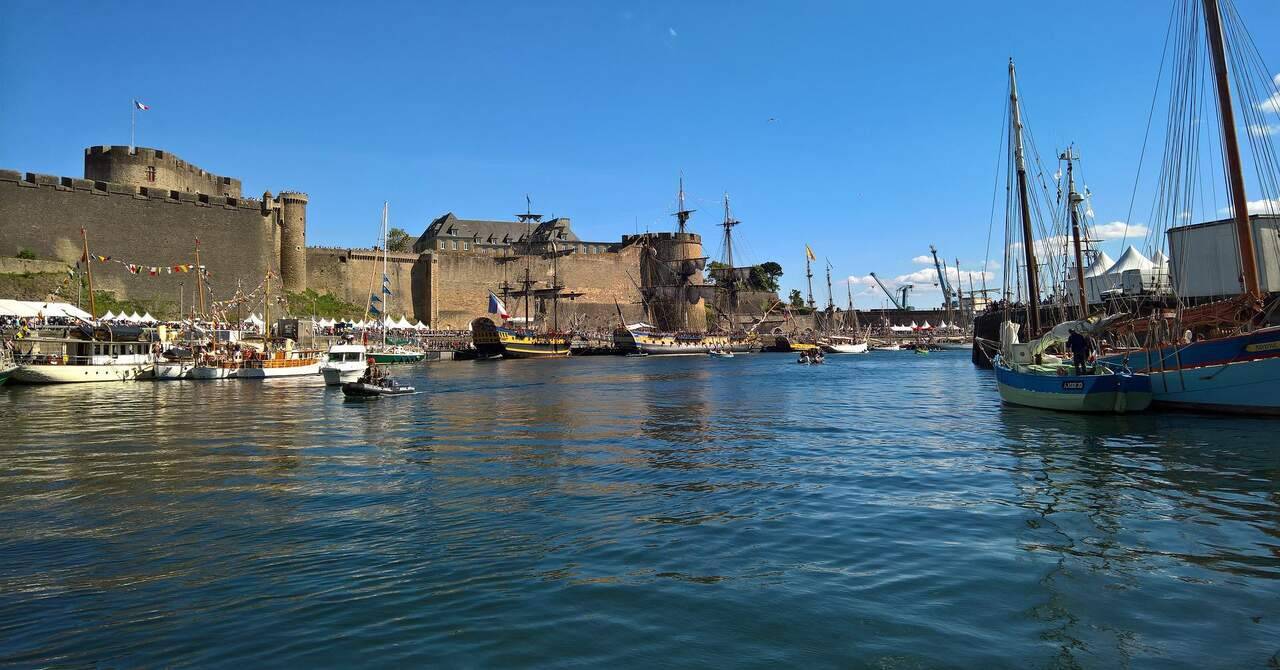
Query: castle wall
x: 456, y: 287
x: 154, y: 168
x: 352, y: 274
x: 149, y: 226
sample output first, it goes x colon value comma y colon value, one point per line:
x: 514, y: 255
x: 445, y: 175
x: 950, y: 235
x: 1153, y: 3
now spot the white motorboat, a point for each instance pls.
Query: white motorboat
x: 346, y: 362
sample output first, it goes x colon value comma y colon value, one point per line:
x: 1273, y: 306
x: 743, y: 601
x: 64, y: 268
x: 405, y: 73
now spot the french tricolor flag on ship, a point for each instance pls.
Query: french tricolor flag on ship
x: 138, y: 104
x: 496, y: 306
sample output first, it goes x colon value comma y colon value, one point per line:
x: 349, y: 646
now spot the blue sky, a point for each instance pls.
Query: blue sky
x: 884, y: 138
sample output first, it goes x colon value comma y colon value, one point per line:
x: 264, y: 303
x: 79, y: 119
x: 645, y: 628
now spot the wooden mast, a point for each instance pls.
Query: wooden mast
x: 1073, y: 205
x: 1231, y: 151
x: 266, y: 313
x: 88, y: 268
x: 1028, y: 238
x: 199, y: 278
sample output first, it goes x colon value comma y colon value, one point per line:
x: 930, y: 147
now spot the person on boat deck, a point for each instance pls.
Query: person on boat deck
x: 1079, y: 346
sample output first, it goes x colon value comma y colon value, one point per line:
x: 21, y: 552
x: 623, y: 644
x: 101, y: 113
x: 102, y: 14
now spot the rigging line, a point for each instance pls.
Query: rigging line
x: 1164, y: 52
x: 995, y: 187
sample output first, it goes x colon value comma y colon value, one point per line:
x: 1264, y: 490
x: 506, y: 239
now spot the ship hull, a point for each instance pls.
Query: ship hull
x: 212, y: 372
x: 335, y: 375
x: 72, y: 374
x: 170, y: 371
x: 681, y: 345
x: 491, y: 340
x: 270, y: 372
x: 386, y: 358
x: 1104, y: 393
x: 1236, y: 375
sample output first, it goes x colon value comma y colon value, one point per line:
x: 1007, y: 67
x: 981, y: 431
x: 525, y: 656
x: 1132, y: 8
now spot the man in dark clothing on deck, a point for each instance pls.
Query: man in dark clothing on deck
x: 1079, y: 346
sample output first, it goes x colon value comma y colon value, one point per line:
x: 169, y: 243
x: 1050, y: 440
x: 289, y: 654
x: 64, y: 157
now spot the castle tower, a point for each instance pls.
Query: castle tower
x: 154, y: 168
x: 293, y: 240
x: 671, y: 272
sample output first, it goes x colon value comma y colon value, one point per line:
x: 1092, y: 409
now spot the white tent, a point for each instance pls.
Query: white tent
x: 914, y: 325
x: 1131, y: 259
x: 108, y: 316
x: 147, y: 318
x: 943, y: 324
x: 926, y: 326
x: 900, y: 329
x: 404, y: 323
x: 31, y: 308
x: 420, y: 326
x: 135, y: 318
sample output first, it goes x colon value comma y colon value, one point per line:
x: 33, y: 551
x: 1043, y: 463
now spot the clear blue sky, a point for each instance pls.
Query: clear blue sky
x: 885, y: 138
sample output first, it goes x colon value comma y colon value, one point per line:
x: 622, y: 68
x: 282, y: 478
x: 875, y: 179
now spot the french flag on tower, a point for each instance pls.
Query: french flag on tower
x: 138, y: 105
x: 496, y: 306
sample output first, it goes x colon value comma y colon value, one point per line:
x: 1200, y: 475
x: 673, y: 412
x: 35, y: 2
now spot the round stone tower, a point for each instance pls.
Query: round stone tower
x: 672, y: 275
x: 293, y: 240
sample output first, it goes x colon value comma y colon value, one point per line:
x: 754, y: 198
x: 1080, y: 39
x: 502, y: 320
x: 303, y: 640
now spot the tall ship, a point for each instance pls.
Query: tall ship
x: 522, y: 338
x: 672, y: 289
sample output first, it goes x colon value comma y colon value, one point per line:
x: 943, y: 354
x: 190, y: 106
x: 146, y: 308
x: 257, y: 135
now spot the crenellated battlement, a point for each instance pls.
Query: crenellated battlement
x: 665, y: 237
x: 144, y: 166
x: 93, y: 187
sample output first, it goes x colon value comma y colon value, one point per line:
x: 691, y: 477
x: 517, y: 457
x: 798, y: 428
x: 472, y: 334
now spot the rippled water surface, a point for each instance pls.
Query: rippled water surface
x: 879, y: 511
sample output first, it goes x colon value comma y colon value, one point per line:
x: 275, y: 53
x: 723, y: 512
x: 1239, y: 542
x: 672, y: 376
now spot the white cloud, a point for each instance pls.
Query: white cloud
x: 861, y: 281
x: 672, y: 32
x: 923, y: 260
x: 926, y: 278
x: 1263, y: 206
x: 1262, y: 130
x: 1117, y: 230
x: 1271, y: 104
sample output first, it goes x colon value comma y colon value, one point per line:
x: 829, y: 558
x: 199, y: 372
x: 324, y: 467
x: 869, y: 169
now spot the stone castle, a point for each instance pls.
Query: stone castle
x: 148, y: 207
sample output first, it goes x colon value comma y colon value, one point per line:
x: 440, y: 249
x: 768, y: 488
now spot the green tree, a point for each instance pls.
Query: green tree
x: 797, y: 299
x: 398, y: 239
x: 26, y: 254
x: 764, y: 277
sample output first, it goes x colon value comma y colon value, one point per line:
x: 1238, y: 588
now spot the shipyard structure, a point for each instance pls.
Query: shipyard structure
x: 144, y: 209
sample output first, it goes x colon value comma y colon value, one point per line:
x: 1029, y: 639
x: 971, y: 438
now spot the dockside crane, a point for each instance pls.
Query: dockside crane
x: 905, y: 289
x: 942, y: 282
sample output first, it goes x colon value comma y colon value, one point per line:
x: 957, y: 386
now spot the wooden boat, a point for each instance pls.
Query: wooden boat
x: 656, y: 343
x: 281, y: 363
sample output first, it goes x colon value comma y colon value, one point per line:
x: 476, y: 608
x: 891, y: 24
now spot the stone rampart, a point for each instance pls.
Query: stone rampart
x: 154, y: 167
x: 144, y: 225
x: 352, y: 274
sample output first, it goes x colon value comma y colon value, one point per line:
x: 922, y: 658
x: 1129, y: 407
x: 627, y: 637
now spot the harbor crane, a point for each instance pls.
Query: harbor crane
x: 904, y: 290
x: 942, y: 281
x: 942, y: 278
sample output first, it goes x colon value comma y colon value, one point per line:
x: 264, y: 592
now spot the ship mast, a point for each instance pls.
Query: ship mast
x: 681, y: 214
x: 88, y: 268
x: 384, y: 276
x: 731, y: 275
x: 528, y: 218
x: 831, y: 305
x: 1231, y: 151
x: 1073, y: 205
x: 1028, y: 238
x: 808, y: 273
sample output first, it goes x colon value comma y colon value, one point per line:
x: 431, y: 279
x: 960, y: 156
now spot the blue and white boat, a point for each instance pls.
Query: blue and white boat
x: 1238, y: 374
x: 1027, y: 375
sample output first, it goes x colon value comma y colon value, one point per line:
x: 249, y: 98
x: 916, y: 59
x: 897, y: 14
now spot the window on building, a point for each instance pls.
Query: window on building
x: 466, y: 246
x: 455, y: 245
x: 151, y: 173
x: 441, y: 245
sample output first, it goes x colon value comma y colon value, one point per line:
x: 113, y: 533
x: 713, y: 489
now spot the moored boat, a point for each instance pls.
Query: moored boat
x: 280, y: 363
x: 345, y: 362
x: 85, y: 355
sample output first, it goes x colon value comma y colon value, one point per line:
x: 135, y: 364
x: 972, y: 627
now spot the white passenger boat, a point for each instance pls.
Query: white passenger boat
x: 346, y: 362
x: 84, y: 356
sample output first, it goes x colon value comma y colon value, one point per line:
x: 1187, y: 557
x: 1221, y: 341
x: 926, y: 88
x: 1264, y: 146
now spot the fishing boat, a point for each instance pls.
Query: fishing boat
x: 1231, y: 362
x: 86, y: 354
x: 1027, y: 374
x: 345, y: 362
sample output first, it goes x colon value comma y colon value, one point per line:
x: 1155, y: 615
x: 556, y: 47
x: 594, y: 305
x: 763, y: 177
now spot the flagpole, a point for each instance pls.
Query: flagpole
x: 133, y: 122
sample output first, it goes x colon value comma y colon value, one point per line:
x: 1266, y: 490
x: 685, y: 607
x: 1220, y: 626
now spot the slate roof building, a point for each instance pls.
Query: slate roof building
x: 449, y: 233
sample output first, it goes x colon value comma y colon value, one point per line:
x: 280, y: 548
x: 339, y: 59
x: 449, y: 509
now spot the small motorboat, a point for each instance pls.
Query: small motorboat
x: 637, y: 354
x: 374, y: 384
x: 922, y: 350
x: 720, y: 353
x: 813, y: 357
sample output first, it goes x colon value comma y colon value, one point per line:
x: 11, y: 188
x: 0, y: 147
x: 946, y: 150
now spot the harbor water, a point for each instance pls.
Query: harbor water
x: 882, y: 510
